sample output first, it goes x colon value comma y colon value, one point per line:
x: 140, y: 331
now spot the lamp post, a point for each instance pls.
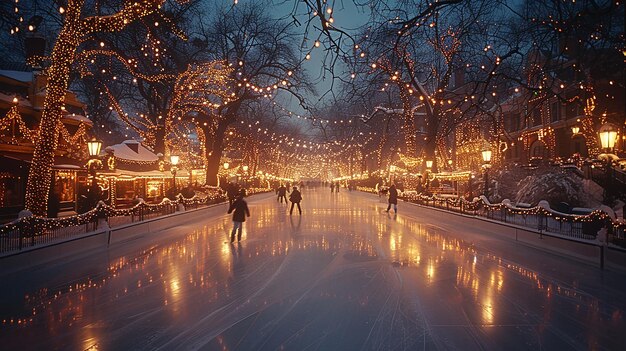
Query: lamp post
x: 94, y: 163
x: 608, y: 136
x: 487, y: 160
x: 94, y: 147
x: 174, y: 159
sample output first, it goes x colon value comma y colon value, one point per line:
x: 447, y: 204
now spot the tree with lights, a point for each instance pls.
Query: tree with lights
x: 140, y: 96
x: 198, y: 93
x: 433, y: 60
x: 261, y: 50
x: 77, y: 29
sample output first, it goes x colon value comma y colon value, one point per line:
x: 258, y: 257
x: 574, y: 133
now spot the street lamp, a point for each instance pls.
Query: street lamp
x: 575, y: 130
x: 226, y: 165
x: 94, y: 163
x: 487, y: 160
x: 174, y: 159
x: 608, y: 136
x: 94, y: 146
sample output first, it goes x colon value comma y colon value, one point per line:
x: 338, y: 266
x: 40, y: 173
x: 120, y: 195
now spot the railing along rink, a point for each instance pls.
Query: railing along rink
x: 32, y: 231
x: 541, y: 217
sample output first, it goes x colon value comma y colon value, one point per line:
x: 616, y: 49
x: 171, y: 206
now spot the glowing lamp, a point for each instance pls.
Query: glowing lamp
x: 429, y: 164
x: 245, y: 168
x: 94, y: 147
x: 174, y: 159
x: 486, y: 156
x: 608, y: 136
x: 226, y: 165
x: 575, y: 130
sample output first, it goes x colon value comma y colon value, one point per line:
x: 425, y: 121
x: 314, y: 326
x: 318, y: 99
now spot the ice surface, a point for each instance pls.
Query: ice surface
x: 343, y: 276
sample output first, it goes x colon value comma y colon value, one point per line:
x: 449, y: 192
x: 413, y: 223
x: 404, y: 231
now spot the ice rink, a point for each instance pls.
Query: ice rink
x: 345, y: 275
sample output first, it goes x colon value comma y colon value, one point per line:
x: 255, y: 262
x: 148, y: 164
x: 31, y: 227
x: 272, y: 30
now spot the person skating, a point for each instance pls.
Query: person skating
x: 282, y: 194
x: 295, y: 199
x: 393, y: 198
x: 241, y: 211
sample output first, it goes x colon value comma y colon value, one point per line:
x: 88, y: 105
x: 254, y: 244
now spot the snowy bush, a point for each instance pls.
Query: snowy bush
x: 549, y: 183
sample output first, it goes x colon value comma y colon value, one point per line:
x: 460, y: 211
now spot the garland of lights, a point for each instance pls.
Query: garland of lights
x: 77, y: 140
x: 13, y: 116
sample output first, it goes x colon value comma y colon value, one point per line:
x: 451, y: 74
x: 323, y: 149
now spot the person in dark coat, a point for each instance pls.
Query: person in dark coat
x: 393, y: 198
x: 282, y: 194
x: 295, y: 199
x: 239, y: 209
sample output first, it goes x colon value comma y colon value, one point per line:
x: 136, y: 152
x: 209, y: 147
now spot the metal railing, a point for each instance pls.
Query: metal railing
x: 595, y: 226
x: 541, y: 218
x: 33, y: 231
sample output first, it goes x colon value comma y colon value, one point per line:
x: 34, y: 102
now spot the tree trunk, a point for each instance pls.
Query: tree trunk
x: 40, y: 175
x: 212, y: 169
x: 215, y: 154
x: 431, y: 143
x: 409, y: 130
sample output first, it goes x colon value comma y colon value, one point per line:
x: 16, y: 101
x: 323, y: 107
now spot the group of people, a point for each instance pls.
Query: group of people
x: 295, y: 197
x: 239, y: 207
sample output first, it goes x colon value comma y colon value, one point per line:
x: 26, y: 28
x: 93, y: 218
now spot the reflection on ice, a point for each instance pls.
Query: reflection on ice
x: 341, y: 276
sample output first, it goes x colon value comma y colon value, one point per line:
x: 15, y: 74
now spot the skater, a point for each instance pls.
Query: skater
x: 241, y: 211
x: 295, y: 199
x: 393, y: 198
x: 332, y: 187
x: 282, y: 194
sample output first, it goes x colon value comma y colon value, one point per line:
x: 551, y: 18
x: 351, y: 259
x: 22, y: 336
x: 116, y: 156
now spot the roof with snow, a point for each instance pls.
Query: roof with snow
x: 133, y: 150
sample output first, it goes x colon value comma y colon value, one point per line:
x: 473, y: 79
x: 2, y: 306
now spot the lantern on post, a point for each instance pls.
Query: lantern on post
x: 486, y: 153
x: 94, y: 163
x: 174, y: 159
x: 94, y: 146
x: 608, y: 137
